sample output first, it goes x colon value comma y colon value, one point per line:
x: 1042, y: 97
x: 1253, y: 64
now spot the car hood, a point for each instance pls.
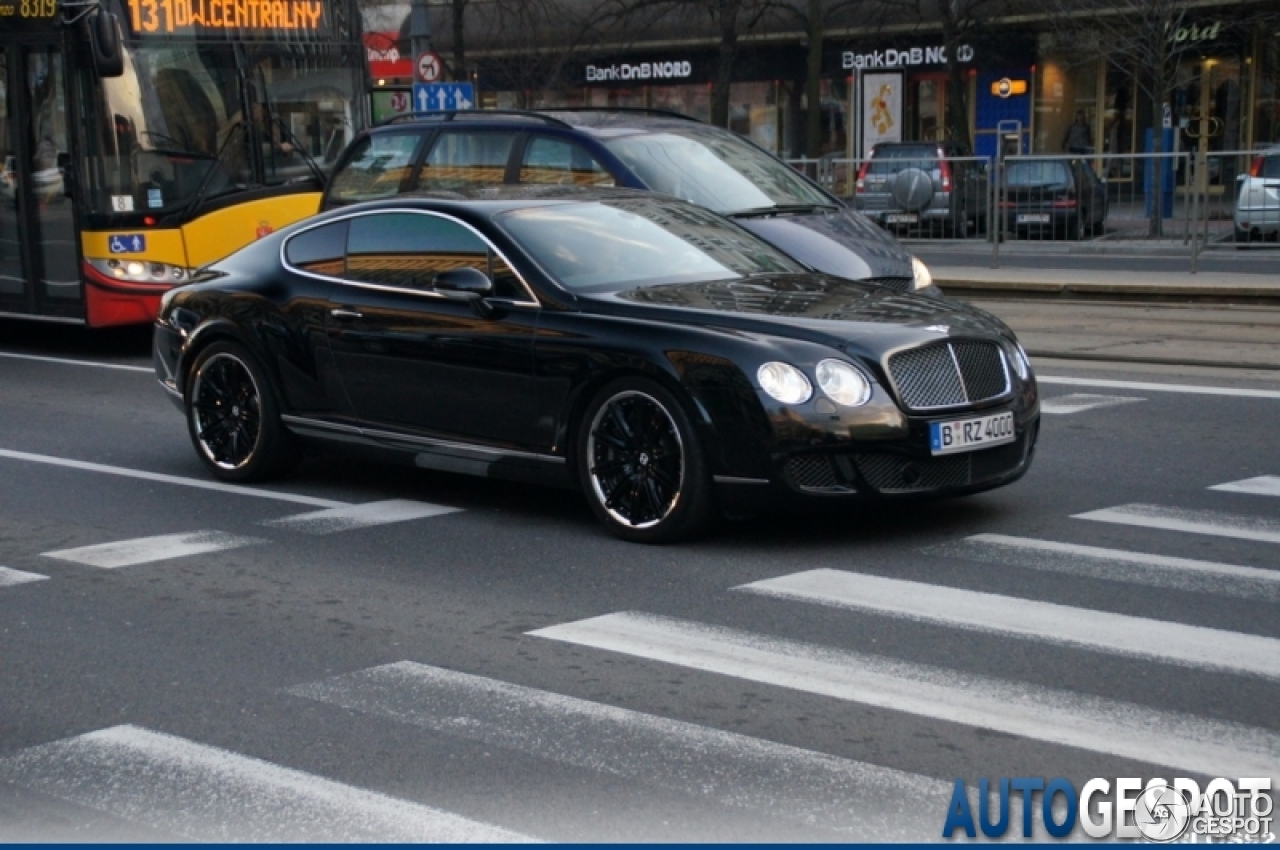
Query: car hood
x: 860, y: 318
x: 839, y: 242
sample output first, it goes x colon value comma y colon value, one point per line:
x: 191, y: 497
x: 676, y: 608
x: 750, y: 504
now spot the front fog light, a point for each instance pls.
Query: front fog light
x: 921, y: 277
x: 785, y: 383
x: 842, y: 383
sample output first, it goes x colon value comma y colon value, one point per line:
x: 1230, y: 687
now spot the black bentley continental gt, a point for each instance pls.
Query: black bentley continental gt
x: 660, y: 357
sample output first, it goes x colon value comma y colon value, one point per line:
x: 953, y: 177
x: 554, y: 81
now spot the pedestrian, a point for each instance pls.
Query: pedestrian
x: 1079, y: 136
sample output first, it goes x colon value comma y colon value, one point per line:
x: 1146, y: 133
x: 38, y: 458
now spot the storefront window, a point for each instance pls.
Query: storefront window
x: 1067, y: 95
x: 1266, y: 100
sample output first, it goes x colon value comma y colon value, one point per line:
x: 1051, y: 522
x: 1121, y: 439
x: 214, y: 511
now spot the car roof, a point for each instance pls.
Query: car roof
x: 585, y: 119
x: 489, y: 200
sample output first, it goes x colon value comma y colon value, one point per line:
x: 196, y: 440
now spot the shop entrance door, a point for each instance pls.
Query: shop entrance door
x: 928, y: 107
x: 39, y: 265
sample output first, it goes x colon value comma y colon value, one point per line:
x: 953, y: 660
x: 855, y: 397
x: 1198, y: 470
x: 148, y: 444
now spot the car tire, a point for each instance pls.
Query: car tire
x: 1076, y: 229
x: 233, y: 416
x: 641, y: 465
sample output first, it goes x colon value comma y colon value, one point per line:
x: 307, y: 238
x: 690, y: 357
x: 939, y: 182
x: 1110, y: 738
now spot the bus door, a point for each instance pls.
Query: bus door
x: 39, y: 254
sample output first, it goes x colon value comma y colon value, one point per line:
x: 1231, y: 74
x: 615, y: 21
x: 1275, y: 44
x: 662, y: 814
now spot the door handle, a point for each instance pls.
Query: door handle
x: 346, y: 313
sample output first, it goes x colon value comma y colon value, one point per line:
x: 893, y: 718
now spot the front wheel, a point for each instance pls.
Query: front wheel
x: 641, y: 464
x: 233, y: 417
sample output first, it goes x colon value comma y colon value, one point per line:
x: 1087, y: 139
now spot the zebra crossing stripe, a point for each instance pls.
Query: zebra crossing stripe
x: 1116, y: 565
x: 1080, y: 402
x: 10, y: 577
x: 1211, y: 747
x: 731, y: 769
x: 210, y: 794
x: 143, y: 550
x: 1263, y: 485
x: 358, y: 516
x: 1118, y: 634
x: 1191, y: 521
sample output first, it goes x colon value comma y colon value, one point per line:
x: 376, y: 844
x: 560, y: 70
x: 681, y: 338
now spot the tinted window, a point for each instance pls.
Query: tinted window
x: 713, y: 168
x: 459, y: 160
x: 555, y: 161
x: 604, y: 245
x: 320, y: 250
x: 891, y: 160
x: 409, y: 249
x: 1034, y: 173
x: 379, y: 168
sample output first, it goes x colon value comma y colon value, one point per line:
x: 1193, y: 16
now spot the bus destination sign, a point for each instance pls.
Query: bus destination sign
x: 239, y: 17
x: 28, y: 14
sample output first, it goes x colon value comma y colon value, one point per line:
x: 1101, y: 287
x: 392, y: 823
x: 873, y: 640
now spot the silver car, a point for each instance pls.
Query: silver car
x: 1258, y: 202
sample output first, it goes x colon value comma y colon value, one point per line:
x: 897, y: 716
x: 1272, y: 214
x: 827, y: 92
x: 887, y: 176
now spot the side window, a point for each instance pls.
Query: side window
x: 379, y: 168
x: 564, y: 163
x: 320, y: 250
x: 408, y: 250
x: 462, y: 159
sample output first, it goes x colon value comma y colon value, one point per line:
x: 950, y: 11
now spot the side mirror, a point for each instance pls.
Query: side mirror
x: 464, y: 284
x: 105, y: 45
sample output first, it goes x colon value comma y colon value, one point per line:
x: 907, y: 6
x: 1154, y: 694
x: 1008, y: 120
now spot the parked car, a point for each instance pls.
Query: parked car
x: 648, y: 351
x: 930, y: 187
x: 639, y: 149
x: 1257, y: 214
x: 1053, y: 198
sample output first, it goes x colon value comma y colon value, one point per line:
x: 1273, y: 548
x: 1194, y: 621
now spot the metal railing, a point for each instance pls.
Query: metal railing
x: 1179, y: 198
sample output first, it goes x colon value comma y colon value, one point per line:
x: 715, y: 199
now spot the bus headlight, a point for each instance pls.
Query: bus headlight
x: 141, y: 271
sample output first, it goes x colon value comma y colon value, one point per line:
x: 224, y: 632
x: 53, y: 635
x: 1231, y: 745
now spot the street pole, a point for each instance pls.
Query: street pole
x: 419, y: 30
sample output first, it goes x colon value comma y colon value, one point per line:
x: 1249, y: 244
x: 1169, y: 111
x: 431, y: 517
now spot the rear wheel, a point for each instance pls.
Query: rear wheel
x: 233, y: 416
x: 641, y: 464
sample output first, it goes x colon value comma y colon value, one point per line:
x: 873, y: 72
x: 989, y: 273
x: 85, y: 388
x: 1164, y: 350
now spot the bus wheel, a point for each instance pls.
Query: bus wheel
x: 233, y: 416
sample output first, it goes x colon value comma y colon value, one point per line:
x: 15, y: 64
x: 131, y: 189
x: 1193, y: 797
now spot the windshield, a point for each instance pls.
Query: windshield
x: 610, y: 244
x: 195, y: 120
x: 713, y: 168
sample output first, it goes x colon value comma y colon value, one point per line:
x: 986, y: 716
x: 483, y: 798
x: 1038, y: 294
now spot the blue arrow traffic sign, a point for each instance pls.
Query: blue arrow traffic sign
x: 432, y: 97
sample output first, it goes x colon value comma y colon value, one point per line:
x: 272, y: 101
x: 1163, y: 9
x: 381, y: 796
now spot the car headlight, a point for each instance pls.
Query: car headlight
x: 785, y: 383
x: 1021, y: 362
x: 842, y: 383
x: 921, y: 277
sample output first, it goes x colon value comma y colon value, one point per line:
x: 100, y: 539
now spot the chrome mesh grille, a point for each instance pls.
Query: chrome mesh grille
x: 928, y: 377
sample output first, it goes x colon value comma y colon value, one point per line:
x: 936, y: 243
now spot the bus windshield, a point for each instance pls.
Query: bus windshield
x: 191, y: 121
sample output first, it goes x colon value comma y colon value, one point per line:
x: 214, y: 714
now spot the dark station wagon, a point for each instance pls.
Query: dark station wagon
x: 638, y: 149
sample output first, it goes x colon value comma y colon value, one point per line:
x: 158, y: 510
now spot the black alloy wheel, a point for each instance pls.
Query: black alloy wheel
x: 641, y: 465
x: 233, y: 417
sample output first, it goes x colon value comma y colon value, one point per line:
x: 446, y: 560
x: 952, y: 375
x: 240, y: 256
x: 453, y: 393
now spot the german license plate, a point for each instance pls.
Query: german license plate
x: 1033, y: 218
x: 901, y: 218
x: 966, y: 435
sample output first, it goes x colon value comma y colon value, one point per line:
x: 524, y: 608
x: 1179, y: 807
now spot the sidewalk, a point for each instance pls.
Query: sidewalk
x: 1111, y: 284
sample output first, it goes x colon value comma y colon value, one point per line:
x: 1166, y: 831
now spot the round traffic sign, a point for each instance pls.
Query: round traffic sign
x: 429, y: 67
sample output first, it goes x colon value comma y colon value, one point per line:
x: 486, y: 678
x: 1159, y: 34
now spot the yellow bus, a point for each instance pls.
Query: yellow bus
x: 142, y: 139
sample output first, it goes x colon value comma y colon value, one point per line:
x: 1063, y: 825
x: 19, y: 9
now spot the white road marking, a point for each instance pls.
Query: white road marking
x: 210, y: 794
x: 1191, y: 521
x: 1263, y: 485
x: 358, y: 516
x: 1118, y: 634
x: 9, y: 577
x: 66, y: 362
x: 1160, y: 388
x: 730, y: 769
x: 145, y: 550
x: 1079, y: 402
x: 170, y: 479
x: 1132, y: 731
x: 1117, y: 565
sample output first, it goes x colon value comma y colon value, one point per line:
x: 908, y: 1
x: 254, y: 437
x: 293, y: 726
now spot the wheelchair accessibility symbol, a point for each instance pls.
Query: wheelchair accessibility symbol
x: 127, y: 243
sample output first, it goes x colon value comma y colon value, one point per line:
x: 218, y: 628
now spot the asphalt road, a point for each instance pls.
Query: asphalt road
x: 378, y: 652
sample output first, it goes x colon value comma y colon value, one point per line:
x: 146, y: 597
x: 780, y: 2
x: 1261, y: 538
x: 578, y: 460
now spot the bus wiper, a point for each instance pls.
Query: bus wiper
x: 781, y: 209
x: 289, y: 137
x: 202, y: 189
